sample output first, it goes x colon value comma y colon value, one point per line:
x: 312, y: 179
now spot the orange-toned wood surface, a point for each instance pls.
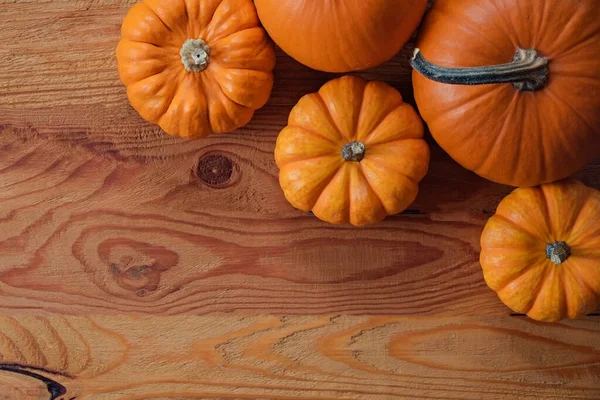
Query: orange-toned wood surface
x: 161, y: 258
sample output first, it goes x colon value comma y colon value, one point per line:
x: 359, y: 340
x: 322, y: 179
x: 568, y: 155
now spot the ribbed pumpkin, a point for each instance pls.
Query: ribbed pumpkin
x: 352, y: 153
x: 195, y: 67
x: 541, y: 251
x: 341, y: 36
x: 510, y: 88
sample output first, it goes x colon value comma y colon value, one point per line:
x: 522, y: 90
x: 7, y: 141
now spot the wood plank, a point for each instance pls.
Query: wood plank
x: 321, y: 358
x: 81, y: 233
x: 75, y: 97
x: 101, y: 212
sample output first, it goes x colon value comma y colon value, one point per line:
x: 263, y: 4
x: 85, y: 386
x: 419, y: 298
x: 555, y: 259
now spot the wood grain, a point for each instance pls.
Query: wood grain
x: 101, y: 212
x: 82, y: 233
x: 123, y: 251
x: 62, y: 358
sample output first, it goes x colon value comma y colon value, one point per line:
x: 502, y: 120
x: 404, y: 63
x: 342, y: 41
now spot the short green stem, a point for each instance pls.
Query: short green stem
x: 528, y: 71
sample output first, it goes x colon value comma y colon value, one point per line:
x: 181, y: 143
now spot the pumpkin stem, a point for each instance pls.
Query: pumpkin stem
x: 558, y: 252
x: 195, y: 55
x: 528, y: 71
x: 353, y: 151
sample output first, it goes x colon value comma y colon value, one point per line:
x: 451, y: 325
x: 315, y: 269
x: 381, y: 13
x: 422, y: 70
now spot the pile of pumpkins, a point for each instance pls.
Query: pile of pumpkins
x: 510, y: 89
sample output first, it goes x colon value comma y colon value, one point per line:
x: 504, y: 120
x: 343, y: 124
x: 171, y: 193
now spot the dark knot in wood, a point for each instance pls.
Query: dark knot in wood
x: 215, y: 170
x: 135, y: 266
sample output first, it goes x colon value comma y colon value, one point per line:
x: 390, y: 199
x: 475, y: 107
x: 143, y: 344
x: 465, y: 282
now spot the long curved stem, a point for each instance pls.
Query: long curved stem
x: 528, y: 71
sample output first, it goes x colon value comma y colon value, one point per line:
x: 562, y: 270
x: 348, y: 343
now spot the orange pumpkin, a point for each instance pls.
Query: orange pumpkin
x: 511, y: 89
x: 353, y: 152
x: 341, y: 36
x: 195, y: 67
x: 541, y: 251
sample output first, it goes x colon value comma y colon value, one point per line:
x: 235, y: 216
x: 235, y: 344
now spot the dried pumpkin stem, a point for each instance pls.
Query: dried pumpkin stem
x: 353, y: 151
x: 528, y: 71
x: 558, y: 252
x: 195, y: 55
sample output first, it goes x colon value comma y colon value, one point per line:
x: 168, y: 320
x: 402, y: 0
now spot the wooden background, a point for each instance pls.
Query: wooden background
x: 139, y: 266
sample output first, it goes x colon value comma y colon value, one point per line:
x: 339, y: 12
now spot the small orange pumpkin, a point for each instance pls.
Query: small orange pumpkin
x: 195, y: 67
x: 341, y: 36
x: 511, y: 89
x: 541, y: 251
x: 353, y: 152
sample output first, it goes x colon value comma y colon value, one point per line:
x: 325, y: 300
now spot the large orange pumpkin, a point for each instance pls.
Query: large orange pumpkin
x: 510, y: 88
x: 195, y: 67
x: 353, y: 152
x: 341, y: 36
x: 541, y: 251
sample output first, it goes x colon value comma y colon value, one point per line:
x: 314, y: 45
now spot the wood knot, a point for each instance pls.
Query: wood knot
x: 137, y: 267
x: 215, y: 170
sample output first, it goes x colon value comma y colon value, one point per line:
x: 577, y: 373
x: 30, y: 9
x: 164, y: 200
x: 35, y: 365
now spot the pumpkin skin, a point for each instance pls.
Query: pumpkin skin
x: 515, y: 253
x: 519, y: 138
x: 352, y: 153
x: 341, y: 36
x: 188, y: 100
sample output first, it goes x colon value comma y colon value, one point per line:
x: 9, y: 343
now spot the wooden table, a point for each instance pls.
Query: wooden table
x: 139, y: 266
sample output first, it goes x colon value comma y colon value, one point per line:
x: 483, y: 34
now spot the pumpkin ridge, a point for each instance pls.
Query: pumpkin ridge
x: 477, y: 96
x: 206, y: 29
x: 519, y: 150
x: 509, y: 280
x: 360, y: 113
x: 541, y: 28
x: 458, y: 21
x: 593, y: 36
x: 218, y: 84
x: 538, y: 288
x: 208, y: 79
x: 180, y: 78
x: 584, y: 205
x: 213, y: 35
x: 328, y: 115
x: 187, y: 17
x: 500, y: 136
x: 383, y: 112
x: 318, y: 188
x: 158, y: 17
x: 542, y: 153
x: 549, y: 217
x: 338, y: 171
x: 575, y: 112
x: 564, y: 272
x: 370, y: 188
x: 262, y: 45
x: 391, y: 142
x: 252, y: 100
x: 581, y: 279
x: 510, y: 30
x: 139, y: 41
x: 190, y: 27
x: 377, y: 195
x: 314, y: 133
x: 517, y: 227
x: 326, y: 183
x: 368, y: 139
x: 391, y: 167
x: 167, y: 71
x: 129, y: 82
